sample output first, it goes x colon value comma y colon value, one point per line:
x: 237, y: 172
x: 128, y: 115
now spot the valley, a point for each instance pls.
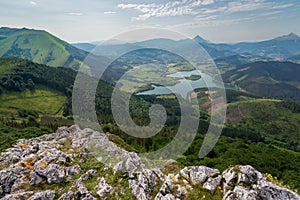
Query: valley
x: 263, y: 108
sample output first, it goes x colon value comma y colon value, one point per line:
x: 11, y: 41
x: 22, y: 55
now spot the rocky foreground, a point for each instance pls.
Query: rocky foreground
x: 59, y: 166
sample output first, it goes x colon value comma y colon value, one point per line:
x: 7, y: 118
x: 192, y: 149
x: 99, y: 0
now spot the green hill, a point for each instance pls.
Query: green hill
x: 27, y: 88
x: 276, y: 119
x: 40, y: 47
x: 271, y: 79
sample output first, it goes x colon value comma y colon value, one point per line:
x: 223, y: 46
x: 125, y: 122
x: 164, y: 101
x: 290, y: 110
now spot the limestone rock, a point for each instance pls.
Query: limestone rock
x: 18, y: 196
x: 240, y: 193
x: 270, y: 191
x: 46, y: 195
x: 50, y: 159
x: 212, y: 183
x: 103, y: 188
x: 244, y: 182
x: 141, y: 186
x: 89, y: 174
x: 198, y: 174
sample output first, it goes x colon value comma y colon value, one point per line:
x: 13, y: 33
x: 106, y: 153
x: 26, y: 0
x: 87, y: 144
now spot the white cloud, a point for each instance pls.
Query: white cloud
x: 196, y: 7
x: 241, y: 6
x: 109, y: 12
x: 172, y: 8
x: 250, y: 5
x: 75, y: 13
x: 33, y: 3
x: 207, y: 2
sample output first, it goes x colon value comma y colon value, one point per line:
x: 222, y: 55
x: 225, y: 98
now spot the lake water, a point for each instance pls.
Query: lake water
x: 185, y: 85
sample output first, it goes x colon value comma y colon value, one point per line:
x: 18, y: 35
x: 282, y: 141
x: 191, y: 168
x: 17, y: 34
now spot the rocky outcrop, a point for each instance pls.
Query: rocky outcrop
x: 244, y: 182
x: 32, y: 168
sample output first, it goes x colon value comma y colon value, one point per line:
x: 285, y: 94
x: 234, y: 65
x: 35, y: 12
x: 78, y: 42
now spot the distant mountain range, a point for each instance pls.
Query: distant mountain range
x: 44, y: 48
x: 280, y: 48
x: 249, y: 66
x: 40, y: 47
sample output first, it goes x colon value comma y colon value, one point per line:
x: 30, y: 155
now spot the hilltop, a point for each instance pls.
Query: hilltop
x: 271, y: 79
x: 60, y: 166
x: 39, y: 46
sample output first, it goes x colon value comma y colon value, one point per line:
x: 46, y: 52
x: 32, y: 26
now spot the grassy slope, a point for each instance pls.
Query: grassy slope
x: 277, y: 123
x: 43, y: 100
x: 271, y: 79
x: 40, y: 47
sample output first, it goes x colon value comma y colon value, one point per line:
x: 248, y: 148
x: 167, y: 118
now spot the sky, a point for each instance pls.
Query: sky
x: 98, y: 20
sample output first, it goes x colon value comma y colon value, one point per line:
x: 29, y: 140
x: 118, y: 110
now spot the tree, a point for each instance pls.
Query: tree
x: 30, y: 84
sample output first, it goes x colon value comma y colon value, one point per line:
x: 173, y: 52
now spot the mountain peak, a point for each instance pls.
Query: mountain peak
x: 200, y: 39
x: 291, y: 36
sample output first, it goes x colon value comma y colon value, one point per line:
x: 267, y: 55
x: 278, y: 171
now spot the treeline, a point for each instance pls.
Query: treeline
x: 24, y: 74
x: 293, y: 106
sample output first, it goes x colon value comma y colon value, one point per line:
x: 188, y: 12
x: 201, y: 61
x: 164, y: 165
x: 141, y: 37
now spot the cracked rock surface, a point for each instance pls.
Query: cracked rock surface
x: 62, y: 166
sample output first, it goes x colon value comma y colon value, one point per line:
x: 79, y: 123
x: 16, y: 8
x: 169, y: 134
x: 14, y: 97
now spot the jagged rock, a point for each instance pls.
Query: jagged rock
x: 72, y: 171
x: 144, y: 181
x: 82, y: 192
x: 35, y: 178
x: 166, y: 190
x: 48, y: 159
x: 140, y: 188
x: 181, y: 191
x: 166, y: 197
x: 18, y: 196
x: 244, y: 182
x: 67, y: 196
x: 55, y: 174
x: 269, y: 191
x: 89, y: 174
x: 248, y: 175
x: 198, y: 174
x: 240, y: 193
x: 20, y: 184
x: 9, y: 178
x: 103, y: 188
x: 54, y: 156
x: 212, y: 183
x: 46, y: 195
x: 171, y: 189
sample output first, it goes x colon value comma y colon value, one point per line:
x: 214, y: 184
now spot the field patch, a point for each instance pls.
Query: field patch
x: 43, y: 100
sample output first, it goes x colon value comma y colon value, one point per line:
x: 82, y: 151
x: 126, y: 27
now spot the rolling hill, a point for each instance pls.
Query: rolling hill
x: 112, y: 49
x: 88, y: 47
x: 39, y: 46
x: 279, y: 48
x: 272, y: 79
x: 295, y: 58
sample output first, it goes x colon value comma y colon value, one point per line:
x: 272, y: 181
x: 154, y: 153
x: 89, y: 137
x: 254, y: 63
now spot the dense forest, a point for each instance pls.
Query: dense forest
x: 243, y: 141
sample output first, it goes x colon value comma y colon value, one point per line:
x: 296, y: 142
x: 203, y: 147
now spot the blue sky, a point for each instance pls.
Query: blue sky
x: 215, y: 20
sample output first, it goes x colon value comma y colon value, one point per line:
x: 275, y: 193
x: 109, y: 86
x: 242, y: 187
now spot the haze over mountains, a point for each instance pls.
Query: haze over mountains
x: 37, y: 73
x: 44, y: 48
x: 280, y: 48
x: 232, y: 59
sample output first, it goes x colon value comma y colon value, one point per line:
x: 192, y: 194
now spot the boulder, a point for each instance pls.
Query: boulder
x: 244, y: 182
x: 240, y: 193
x: 198, y: 174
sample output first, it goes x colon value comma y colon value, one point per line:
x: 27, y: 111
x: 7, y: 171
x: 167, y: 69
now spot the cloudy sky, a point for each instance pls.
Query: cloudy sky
x: 96, y: 20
